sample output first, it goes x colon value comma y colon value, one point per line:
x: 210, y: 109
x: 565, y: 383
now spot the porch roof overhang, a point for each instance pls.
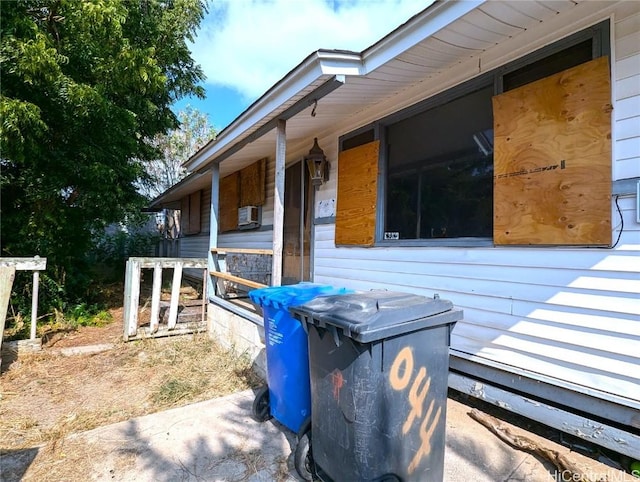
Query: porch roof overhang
x: 332, y: 87
x: 195, y: 181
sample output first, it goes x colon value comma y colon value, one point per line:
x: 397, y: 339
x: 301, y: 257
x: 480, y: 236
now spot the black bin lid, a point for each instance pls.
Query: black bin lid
x: 376, y: 314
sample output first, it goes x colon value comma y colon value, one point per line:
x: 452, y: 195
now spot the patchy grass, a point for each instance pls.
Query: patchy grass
x: 46, y: 396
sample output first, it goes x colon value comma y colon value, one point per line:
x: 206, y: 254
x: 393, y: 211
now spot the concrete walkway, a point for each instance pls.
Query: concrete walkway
x: 217, y: 440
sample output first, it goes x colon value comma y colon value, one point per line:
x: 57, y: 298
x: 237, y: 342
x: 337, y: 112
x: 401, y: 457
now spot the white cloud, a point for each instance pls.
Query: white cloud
x: 249, y: 45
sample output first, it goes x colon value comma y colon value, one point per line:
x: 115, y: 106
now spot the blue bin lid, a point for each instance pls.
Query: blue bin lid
x: 372, y: 315
x: 293, y: 295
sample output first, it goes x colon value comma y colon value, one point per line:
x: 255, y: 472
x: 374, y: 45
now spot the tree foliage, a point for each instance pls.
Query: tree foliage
x: 175, y: 147
x: 86, y: 86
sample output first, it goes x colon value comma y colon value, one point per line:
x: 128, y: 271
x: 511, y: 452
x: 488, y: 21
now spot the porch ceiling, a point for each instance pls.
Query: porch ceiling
x: 421, y: 53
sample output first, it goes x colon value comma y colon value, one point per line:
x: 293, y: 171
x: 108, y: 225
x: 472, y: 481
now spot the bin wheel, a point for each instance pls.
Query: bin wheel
x: 302, y: 458
x: 261, y: 407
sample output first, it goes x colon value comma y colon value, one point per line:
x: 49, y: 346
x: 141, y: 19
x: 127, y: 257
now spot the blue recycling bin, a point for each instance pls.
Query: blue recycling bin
x: 288, y: 395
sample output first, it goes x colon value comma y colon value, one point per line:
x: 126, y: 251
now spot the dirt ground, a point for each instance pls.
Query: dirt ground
x: 48, y: 395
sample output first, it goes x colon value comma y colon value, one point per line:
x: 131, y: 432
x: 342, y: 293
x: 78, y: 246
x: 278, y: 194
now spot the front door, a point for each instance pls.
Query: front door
x: 296, y: 259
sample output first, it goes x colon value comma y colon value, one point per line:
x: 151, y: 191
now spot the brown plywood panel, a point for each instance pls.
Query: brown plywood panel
x: 195, y: 200
x: 228, y: 204
x: 552, y: 159
x: 252, y: 184
x: 184, y: 215
x: 357, y: 195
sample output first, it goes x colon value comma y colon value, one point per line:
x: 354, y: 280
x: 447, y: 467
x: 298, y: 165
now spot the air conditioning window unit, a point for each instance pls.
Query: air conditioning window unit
x: 248, y: 216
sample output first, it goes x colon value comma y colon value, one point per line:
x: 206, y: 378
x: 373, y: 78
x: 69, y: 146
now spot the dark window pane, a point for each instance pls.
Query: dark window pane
x: 358, y: 140
x: 457, y: 199
x: 440, y: 170
x: 565, y: 59
x: 402, y: 204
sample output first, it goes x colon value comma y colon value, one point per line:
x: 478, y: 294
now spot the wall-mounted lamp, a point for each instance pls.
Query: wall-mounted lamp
x: 317, y: 164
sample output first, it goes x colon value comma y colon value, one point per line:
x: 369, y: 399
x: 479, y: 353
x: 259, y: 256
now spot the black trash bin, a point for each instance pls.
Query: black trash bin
x: 379, y: 363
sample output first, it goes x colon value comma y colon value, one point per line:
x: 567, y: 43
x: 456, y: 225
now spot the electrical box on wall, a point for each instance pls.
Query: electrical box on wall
x: 248, y: 217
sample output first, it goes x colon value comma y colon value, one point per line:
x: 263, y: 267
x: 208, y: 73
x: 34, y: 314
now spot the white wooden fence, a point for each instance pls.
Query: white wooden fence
x: 133, y: 279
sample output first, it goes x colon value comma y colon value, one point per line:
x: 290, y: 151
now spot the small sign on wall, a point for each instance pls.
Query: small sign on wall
x: 326, y: 208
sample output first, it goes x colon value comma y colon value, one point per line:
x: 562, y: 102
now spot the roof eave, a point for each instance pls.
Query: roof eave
x: 175, y: 192
x: 318, y: 64
x: 419, y: 27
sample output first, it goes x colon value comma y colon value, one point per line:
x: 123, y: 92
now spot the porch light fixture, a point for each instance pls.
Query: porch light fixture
x: 317, y: 164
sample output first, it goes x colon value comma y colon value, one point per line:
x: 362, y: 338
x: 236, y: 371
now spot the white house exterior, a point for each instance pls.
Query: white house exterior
x: 551, y: 328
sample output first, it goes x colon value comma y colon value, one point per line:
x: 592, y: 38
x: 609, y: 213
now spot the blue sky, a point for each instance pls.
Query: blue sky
x: 246, y: 46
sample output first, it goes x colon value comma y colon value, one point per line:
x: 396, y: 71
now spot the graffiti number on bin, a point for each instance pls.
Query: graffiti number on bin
x: 401, y: 378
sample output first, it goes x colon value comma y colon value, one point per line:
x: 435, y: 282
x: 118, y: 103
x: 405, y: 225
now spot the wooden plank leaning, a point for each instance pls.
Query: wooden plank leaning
x: 219, y: 266
x: 237, y: 279
x: 131, y: 298
x: 175, y: 295
x: 7, y: 275
x: 154, y: 323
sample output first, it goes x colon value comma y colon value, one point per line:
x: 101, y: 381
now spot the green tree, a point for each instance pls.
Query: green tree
x: 175, y: 148
x: 86, y: 87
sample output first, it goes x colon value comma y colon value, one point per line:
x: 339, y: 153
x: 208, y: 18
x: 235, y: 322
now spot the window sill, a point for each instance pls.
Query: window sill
x: 437, y: 243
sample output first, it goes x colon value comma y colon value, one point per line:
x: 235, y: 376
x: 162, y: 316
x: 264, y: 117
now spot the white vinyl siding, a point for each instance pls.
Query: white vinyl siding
x: 627, y: 97
x: 196, y: 246
x: 569, y: 316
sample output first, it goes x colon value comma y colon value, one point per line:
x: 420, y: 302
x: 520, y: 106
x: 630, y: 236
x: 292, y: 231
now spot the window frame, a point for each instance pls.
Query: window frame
x: 599, y: 34
x: 439, y: 99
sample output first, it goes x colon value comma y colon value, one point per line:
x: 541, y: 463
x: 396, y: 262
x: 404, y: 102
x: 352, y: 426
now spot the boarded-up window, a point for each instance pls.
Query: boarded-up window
x: 190, y: 213
x: 229, y: 202
x: 242, y: 188
x: 552, y: 161
x: 252, y: 184
x: 357, y: 195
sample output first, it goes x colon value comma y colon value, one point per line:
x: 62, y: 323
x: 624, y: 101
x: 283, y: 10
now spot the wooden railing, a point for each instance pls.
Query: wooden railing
x: 132, y: 295
x: 155, y: 328
x: 8, y: 267
x: 35, y: 264
x: 218, y: 254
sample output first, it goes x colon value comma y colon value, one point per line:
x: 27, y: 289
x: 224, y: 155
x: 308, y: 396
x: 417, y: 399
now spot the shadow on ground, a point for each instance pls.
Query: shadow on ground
x: 206, y: 442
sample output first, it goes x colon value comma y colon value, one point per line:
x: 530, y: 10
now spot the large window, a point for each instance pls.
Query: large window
x: 440, y: 170
x: 437, y: 156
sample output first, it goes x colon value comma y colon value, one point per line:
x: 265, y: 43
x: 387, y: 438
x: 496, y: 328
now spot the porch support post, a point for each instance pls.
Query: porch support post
x: 278, y: 203
x: 213, y: 230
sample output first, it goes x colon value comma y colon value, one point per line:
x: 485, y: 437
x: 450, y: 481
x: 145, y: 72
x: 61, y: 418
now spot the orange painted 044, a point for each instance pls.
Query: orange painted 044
x: 400, y: 378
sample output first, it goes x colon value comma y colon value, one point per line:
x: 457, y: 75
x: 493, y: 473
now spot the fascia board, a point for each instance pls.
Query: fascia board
x: 176, y: 191
x: 318, y: 64
x: 333, y: 62
x: 418, y: 28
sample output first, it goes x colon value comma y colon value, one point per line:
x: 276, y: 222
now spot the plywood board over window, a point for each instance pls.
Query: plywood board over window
x: 357, y: 195
x: 190, y: 213
x: 229, y: 202
x: 552, y: 160
x: 195, y: 200
x: 252, y: 184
